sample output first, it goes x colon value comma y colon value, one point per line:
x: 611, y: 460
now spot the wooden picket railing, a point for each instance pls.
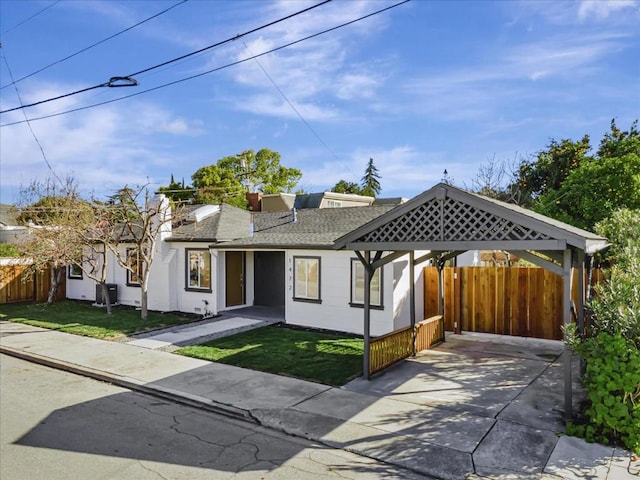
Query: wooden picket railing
x: 502, y: 300
x: 18, y: 284
x: 429, y: 332
x: 388, y: 349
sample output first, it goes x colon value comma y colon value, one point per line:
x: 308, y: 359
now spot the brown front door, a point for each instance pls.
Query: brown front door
x: 234, y: 278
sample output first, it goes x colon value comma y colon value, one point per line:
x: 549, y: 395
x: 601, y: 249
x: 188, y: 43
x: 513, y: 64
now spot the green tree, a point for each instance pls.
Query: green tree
x: 122, y: 205
x: 344, y: 186
x: 230, y: 177
x: 599, y: 185
x: 370, y: 183
x: 177, y: 192
x: 219, y: 184
x: 622, y: 230
x: 548, y: 171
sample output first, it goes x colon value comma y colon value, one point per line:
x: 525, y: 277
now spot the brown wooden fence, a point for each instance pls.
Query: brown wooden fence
x: 395, y: 346
x: 18, y: 285
x: 507, y: 301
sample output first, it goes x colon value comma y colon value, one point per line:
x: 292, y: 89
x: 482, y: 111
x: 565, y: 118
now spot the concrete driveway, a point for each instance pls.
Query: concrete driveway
x: 504, y: 397
x: 486, y: 375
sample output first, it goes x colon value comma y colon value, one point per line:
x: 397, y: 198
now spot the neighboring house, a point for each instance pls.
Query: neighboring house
x: 486, y: 258
x: 278, y: 202
x: 222, y: 257
x: 332, y: 200
x: 10, y: 230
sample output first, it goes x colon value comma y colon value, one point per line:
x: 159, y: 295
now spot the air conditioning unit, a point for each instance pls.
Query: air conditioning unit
x: 112, y: 289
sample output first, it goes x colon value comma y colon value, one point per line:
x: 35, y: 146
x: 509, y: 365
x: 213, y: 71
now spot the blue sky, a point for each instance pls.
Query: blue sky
x: 422, y: 87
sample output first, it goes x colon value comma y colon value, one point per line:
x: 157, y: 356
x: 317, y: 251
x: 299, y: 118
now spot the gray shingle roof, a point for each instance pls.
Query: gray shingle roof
x: 227, y: 224
x: 313, y: 228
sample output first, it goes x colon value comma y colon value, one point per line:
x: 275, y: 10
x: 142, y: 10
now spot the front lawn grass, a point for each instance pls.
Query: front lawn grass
x: 331, y: 359
x: 81, y: 318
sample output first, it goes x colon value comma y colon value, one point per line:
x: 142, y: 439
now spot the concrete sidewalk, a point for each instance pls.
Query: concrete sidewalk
x: 405, y: 428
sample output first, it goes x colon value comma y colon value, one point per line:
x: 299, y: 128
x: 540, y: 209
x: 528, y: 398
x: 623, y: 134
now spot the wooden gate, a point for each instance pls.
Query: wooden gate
x: 18, y: 285
x: 517, y: 301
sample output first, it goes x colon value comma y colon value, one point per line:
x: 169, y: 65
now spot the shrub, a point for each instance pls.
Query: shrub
x: 612, y: 381
x: 616, y: 305
x: 612, y: 354
x: 9, y: 250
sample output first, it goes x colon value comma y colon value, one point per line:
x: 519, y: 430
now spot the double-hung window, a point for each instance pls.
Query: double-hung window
x: 136, y: 265
x: 198, y: 270
x: 357, y: 285
x: 306, y: 279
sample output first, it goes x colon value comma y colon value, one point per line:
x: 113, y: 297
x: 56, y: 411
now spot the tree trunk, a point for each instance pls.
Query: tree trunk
x: 56, y: 278
x: 106, y: 296
x: 143, y: 303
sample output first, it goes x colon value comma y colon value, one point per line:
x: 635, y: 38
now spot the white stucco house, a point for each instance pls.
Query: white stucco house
x: 223, y: 258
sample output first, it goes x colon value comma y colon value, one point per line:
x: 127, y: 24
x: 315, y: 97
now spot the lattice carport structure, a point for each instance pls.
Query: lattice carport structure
x: 447, y: 221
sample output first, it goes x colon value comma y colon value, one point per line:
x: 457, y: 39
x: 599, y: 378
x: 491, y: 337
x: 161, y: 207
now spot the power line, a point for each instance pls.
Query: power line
x: 95, y: 44
x: 131, y: 75
x: 129, y: 82
x: 26, y: 119
x: 293, y: 107
x: 32, y: 16
x: 213, y: 69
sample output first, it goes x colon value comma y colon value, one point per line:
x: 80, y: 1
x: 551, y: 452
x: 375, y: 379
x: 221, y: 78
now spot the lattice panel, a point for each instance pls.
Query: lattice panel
x: 417, y: 225
x: 453, y: 221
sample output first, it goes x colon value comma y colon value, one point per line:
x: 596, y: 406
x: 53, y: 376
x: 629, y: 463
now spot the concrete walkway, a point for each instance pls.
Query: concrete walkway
x: 172, y: 338
x: 464, y: 410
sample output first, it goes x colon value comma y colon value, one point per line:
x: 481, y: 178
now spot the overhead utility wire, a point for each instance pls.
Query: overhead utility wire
x: 32, y: 16
x: 293, y: 107
x: 130, y: 76
x: 94, y: 44
x: 26, y: 119
x: 213, y: 69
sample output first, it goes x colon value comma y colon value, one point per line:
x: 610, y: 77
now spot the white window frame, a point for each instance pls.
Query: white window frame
x: 204, y: 256
x: 357, y: 292
x: 302, y: 294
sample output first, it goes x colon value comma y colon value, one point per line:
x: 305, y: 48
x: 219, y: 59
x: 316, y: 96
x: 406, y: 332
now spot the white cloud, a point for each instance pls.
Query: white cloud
x: 404, y: 170
x: 313, y: 73
x: 103, y: 148
x: 481, y: 90
x: 351, y: 86
x: 156, y: 119
x: 275, y: 106
x: 602, y: 9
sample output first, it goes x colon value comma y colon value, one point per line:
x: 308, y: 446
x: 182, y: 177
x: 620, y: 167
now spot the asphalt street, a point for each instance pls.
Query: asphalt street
x: 58, y: 425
